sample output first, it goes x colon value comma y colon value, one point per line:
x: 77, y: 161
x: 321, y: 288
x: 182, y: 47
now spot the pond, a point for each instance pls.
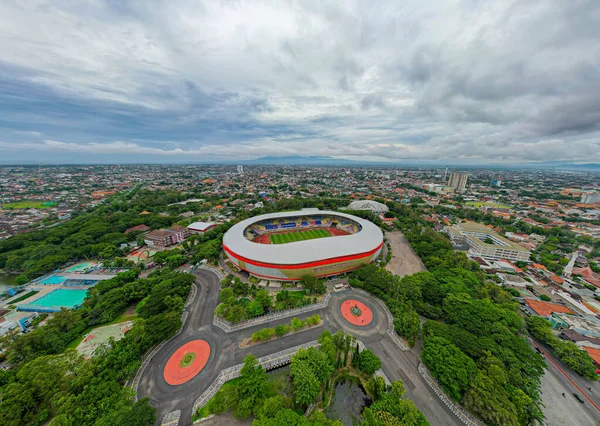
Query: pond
x: 280, y: 380
x: 6, y: 281
x: 348, y: 403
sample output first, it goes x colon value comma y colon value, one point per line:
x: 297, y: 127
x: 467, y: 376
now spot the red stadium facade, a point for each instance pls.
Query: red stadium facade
x: 354, y: 243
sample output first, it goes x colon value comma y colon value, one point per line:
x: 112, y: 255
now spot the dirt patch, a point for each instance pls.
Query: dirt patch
x: 404, y: 259
x: 130, y: 311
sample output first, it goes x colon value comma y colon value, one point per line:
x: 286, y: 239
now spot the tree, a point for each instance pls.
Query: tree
x: 449, y: 365
x: 408, y: 324
x: 487, y: 399
x: 255, y: 309
x: 367, y: 361
x: 226, y: 296
x: 263, y: 297
x: 252, y: 386
x: 306, y: 384
x: 312, y: 285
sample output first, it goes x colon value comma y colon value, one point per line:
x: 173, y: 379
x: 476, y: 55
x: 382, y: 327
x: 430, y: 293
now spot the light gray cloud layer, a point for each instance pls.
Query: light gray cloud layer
x: 471, y: 80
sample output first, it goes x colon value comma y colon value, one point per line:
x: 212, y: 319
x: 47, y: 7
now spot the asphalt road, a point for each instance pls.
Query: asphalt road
x: 225, y: 352
x: 559, y: 379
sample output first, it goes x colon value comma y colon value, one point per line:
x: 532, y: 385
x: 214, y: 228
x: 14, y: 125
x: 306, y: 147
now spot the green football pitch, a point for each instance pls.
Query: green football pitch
x: 298, y: 236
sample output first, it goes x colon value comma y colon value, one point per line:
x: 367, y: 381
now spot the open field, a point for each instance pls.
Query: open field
x: 478, y: 204
x: 404, y: 259
x: 298, y: 236
x: 26, y: 204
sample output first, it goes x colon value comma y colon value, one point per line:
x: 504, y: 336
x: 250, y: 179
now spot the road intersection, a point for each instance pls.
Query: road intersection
x: 225, y: 352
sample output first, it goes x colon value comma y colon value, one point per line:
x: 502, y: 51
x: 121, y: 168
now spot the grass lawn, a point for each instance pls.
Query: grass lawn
x: 24, y: 296
x: 291, y: 237
x: 26, y: 204
x: 294, y: 297
x: 478, y: 204
x: 78, y: 340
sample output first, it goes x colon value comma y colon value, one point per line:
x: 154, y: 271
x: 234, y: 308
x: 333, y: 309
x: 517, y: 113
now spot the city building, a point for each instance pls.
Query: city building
x: 374, y: 206
x: 158, y: 239
x: 240, y: 169
x: 162, y: 238
x: 458, y: 181
x: 200, y: 227
x: 273, y: 246
x: 590, y: 197
x: 484, y: 242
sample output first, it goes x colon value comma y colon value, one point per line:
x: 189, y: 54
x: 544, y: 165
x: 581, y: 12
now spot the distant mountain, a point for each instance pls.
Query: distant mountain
x: 302, y: 160
x: 332, y: 161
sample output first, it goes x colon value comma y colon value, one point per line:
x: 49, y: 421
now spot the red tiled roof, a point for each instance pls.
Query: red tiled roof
x: 594, y: 353
x: 545, y: 309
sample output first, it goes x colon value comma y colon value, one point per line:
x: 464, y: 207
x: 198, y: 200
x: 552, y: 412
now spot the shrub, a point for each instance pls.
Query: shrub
x: 314, y: 320
x: 297, y: 324
x: 280, y: 330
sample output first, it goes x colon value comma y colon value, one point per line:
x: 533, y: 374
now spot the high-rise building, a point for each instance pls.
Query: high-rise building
x: 240, y: 169
x: 590, y: 197
x: 458, y: 181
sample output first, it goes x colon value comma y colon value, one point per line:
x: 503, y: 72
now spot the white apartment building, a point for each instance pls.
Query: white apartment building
x: 485, y: 243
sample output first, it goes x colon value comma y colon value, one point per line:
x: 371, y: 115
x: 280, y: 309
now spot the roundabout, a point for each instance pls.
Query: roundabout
x: 356, y: 312
x: 186, y: 362
x: 191, y: 362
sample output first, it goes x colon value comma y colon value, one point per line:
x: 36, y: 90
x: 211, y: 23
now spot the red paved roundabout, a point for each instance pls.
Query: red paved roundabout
x: 356, y: 313
x: 186, y: 362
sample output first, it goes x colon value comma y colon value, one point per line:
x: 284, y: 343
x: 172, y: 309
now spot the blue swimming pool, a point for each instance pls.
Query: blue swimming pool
x: 55, y: 300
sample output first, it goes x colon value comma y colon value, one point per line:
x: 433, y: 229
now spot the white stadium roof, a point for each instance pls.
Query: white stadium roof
x: 373, y: 206
x: 200, y: 226
x: 368, y: 238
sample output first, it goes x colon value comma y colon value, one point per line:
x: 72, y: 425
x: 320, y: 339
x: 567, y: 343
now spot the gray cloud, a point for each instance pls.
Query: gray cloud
x: 467, y: 81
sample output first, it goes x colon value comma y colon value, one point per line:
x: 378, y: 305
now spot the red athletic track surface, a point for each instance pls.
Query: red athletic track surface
x: 364, y: 319
x: 264, y: 238
x: 175, y: 374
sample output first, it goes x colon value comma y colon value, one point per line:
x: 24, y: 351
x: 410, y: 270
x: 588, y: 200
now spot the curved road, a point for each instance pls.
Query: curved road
x: 225, y: 352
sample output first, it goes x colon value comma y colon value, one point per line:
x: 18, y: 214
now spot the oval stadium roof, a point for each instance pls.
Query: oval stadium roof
x: 368, y: 238
x: 373, y: 206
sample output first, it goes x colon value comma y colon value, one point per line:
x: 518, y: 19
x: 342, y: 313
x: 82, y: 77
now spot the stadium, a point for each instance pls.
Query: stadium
x: 286, y: 246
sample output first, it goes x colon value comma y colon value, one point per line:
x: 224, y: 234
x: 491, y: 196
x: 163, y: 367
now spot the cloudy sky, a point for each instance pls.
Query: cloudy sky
x: 471, y: 81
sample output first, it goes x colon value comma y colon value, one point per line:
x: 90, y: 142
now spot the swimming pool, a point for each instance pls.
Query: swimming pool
x: 53, y: 279
x: 81, y: 267
x: 55, y: 300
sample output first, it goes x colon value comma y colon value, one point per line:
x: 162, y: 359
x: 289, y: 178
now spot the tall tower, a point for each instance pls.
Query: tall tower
x: 446, y: 174
x: 240, y: 169
x: 458, y: 181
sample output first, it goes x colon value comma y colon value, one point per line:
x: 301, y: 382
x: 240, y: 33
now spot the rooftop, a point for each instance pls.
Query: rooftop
x: 545, y: 309
x: 369, y: 238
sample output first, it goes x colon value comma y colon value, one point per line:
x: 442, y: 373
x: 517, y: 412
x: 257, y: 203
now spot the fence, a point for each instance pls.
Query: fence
x: 228, y: 327
x: 154, y: 350
x: 463, y: 415
x: 214, y: 269
x: 390, y: 330
x: 268, y: 362
x: 379, y: 373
